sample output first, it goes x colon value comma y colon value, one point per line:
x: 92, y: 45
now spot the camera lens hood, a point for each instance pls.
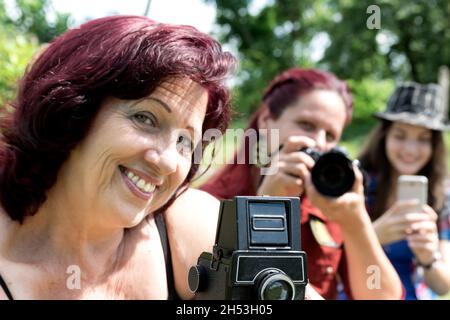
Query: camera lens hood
x: 273, y: 284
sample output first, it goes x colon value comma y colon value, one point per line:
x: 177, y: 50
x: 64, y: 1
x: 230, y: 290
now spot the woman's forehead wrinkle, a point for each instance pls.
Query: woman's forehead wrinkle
x: 187, y: 103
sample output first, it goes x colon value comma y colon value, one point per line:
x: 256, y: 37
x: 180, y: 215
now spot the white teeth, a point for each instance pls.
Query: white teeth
x: 150, y: 187
x: 140, y: 183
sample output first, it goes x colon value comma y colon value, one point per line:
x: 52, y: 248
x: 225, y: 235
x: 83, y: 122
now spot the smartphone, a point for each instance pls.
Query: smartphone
x: 413, y: 187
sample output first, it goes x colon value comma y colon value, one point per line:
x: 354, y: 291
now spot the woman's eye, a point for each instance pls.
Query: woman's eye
x: 185, y: 143
x: 330, y: 137
x: 306, y: 126
x: 145, y: 118
x: 425, y: 139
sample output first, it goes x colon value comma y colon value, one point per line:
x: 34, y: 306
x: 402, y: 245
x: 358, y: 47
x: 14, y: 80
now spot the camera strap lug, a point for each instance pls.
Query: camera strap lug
x: 217, y: 256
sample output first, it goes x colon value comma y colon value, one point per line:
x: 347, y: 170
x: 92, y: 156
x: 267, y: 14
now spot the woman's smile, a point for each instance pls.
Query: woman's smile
x: 138, y: 183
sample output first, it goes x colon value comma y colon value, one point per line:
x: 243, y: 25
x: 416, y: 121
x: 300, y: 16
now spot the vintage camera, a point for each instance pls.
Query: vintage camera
x: 332, y: 174
x: 256, y: 255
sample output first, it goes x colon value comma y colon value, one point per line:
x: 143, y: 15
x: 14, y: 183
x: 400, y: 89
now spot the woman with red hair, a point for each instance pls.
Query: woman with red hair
x: 100, y: 141
x: 310, y: 108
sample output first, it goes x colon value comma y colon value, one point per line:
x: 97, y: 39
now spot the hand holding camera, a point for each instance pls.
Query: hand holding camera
x: 293, y: 167
x: 335, y: 186
x: 332, y: 173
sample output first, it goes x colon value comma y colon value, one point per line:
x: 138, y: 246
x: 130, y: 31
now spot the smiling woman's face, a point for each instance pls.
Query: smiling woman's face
x: 137, y: 152
x: 408, y: 147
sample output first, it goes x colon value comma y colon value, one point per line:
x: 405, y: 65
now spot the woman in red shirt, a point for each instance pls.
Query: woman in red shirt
x: 310, y: 108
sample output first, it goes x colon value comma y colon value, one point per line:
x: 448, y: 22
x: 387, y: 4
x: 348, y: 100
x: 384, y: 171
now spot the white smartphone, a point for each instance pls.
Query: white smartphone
x: 413, y: 187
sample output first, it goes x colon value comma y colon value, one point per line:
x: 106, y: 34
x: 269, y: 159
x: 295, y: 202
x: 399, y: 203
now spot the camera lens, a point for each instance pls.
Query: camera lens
x: 333, y: 174
x: 275, y: 285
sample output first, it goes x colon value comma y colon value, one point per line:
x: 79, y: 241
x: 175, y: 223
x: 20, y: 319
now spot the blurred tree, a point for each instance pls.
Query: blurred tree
x: 273, y: 39
x: 24, y: 25
x: 15, y: 52
x: 370, y: 95
x: 413, y: 41
x: 36, y: 17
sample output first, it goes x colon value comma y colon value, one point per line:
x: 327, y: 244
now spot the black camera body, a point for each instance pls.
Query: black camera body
x: 256, y: 255
x: 333, y: 173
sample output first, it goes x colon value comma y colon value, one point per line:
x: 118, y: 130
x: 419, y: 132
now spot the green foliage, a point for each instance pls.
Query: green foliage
x: 20, y: 37
x: 15, y: 51
x: 33, y: 17
x: 413, y: 42
x: 369, y: 96
x: 274, y: 39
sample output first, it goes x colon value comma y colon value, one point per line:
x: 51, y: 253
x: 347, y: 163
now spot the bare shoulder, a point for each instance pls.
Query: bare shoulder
x: 196, y: 197
x: 191, y: 224
x: 193, y: 206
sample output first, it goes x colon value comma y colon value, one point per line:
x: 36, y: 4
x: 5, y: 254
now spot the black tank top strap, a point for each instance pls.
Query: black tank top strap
x: 161, y: 225
x: 5, y: 288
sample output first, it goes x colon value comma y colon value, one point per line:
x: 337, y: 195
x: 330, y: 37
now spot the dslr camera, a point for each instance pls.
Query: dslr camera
x: 256, y: 255
x: 332, y: 174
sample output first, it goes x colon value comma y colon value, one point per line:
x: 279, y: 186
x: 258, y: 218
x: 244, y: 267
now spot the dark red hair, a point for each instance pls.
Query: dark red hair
x: 236, y: 179
x: 126, y: 57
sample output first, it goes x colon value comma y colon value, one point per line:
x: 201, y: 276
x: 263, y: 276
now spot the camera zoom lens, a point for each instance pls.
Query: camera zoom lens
x: 333, y: 174
x: 275, y: 285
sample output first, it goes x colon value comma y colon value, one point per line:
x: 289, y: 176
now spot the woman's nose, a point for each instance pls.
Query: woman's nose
x: 321, y: 141
x: 410, y: 146
x: 165, y: 158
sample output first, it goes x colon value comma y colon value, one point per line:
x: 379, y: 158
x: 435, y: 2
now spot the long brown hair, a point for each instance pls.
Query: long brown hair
x: 374, y: 160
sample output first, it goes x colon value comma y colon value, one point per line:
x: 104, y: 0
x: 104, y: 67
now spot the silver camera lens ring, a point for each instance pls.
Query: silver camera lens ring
x: 275, y: 276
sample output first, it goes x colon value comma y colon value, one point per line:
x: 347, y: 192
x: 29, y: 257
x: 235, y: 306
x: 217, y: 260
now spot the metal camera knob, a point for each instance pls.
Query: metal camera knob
x: 197, y: 278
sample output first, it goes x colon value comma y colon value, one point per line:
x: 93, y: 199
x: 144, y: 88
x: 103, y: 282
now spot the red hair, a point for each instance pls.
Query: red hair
x: 126, y: 57
x: 236, y: 179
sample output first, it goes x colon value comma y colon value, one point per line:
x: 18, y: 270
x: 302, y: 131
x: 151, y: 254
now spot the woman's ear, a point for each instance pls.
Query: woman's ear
x: 264, y: 118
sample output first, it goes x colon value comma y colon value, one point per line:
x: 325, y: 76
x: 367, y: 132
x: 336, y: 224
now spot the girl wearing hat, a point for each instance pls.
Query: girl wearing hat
x: 409, y: 141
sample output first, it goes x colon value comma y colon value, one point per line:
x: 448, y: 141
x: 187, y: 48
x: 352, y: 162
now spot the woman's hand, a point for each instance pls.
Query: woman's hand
x: 396, y: 223
x: 293, y: 166
x: 422, y: 236
x: 362, y: 248
x: 345, y: 210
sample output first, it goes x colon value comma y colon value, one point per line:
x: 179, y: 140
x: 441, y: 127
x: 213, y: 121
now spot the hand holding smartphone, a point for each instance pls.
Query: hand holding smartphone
x: 411, y: 187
